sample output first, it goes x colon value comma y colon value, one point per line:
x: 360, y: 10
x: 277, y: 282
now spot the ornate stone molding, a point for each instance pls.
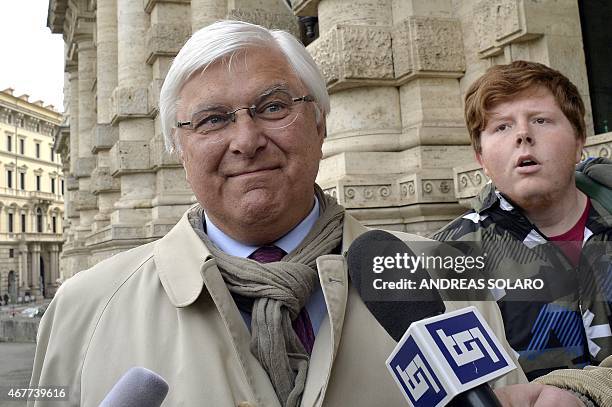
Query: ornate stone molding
x: 598, y: 146
x: 353, y: 55
x: 368, y: 195
x: 469, y: 180
x: 428, y: 45
x: 501, y: 22
x: 421, y: 186
x: 426, y: 186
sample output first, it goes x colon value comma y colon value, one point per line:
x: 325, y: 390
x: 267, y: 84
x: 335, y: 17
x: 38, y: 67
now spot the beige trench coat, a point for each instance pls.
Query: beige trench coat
x: 164, y: 306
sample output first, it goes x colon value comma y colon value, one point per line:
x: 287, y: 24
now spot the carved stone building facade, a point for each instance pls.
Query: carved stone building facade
x: 31, y: 199
x: 397, y: 152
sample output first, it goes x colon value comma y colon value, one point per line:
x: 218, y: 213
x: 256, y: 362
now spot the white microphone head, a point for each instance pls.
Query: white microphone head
x: 443, y: 356
x: 137, y: 387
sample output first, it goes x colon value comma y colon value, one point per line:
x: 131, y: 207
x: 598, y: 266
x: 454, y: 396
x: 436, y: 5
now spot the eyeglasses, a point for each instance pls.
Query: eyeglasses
x: 275, y: 110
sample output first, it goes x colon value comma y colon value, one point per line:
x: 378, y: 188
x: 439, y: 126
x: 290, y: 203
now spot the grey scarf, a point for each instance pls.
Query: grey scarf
x: 280, y: 290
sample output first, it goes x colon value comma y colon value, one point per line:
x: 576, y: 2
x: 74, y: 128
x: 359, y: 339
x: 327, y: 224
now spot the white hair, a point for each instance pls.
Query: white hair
x: 220, y: 39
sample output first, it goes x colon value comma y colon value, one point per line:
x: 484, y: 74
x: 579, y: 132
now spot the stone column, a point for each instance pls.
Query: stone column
x: 24, y: 272
x: 388, y: 64
x: 166, y: 35
x: 52, y: 285
x: 86, y: 202
x: 35, y: 270
x: 71, y: 247
x: 104, y: 134
x: 130, y: 155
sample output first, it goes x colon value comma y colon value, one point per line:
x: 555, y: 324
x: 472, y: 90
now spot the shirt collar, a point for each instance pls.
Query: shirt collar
x: 288, y: 242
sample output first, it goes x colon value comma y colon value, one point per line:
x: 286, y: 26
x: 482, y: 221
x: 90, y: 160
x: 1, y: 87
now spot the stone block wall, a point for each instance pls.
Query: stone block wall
x: 397, y: 153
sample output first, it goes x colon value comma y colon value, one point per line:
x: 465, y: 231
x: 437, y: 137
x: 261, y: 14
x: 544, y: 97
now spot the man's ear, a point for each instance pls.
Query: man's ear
x: 322, y: 129
x: 478, y: 156
x: 579, y: 148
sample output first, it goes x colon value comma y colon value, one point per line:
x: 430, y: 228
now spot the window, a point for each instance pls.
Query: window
x: 10, y: 223
x: 9, y: 179
x: 9, y: 143
x: 11, y: 253
x: 37, y: 127
x: 62, y: 187
x: 52, y: 154
x: 52, y: 185
x: 39, y: 225
x: 37, y: 150
x: 38, y: 182
x: 21, y: 146
x: 22, y: 180
x: 53, y: 224
x: 10, y: 119
x: 23, y: 223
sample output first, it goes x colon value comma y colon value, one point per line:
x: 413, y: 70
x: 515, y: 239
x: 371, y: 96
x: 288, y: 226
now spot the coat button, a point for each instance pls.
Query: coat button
x: 245, y: 404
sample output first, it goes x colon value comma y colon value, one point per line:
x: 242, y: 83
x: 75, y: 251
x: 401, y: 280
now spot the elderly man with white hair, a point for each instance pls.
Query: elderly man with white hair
x: 247, y: 300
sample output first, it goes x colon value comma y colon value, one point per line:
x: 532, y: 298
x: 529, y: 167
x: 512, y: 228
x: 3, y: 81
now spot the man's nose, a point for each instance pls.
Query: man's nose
x: 246, y: 136
x: 524, y: 135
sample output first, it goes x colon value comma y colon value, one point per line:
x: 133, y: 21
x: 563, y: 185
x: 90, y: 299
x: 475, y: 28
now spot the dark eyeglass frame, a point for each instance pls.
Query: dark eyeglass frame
x: 252, y: 110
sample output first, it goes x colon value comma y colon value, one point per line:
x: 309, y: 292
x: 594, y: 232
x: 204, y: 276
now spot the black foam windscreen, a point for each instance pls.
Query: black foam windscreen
x: 138, y: 387
x: 401, y: 308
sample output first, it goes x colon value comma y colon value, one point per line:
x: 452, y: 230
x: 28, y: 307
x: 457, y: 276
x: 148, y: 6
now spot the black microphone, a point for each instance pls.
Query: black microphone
x: 138, y: 387
x: 395, y: 311
x: 398, y: 314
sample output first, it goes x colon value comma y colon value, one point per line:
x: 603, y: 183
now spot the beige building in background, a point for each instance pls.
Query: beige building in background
x: 397, y: 152
x: 31, y: 199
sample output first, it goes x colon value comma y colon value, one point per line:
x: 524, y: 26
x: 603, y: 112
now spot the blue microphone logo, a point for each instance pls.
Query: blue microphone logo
x: 415, y: 376
x: 466, y: 346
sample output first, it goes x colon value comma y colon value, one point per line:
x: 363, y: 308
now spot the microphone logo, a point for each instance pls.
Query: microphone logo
x: 445, y: 355
x: 418, y: 378
x: 464, y: 346
x: 471, y: 352
x: 415, y: 375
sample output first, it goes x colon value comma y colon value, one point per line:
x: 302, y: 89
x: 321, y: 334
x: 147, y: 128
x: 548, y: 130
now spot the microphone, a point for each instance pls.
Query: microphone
x: 394, y: 311
x: 420, y: 363
x: 448, y: 360
x: 138, y: 387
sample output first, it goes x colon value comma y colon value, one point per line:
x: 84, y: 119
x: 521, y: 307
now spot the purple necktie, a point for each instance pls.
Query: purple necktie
x: 301, y: 325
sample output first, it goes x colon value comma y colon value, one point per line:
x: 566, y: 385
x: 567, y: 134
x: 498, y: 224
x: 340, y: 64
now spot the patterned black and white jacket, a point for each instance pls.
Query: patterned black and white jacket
x: 570, y: 325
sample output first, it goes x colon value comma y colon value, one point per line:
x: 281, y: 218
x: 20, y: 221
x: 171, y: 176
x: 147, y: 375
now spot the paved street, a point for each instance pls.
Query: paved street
x: 16, y: 361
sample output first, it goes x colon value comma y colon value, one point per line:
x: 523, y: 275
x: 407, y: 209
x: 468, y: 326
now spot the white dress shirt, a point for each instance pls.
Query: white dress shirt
x: 316, y: 303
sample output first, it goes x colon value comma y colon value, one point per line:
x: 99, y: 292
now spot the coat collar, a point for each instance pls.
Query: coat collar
x: 180, y: 256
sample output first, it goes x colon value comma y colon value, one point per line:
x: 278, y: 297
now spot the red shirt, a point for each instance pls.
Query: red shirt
x: 570, y: 242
